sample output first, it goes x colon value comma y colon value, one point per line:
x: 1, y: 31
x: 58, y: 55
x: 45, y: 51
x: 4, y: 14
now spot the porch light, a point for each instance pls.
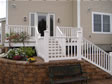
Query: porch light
x: 89, y: 9
x: 25, y: 19
x: 58, y: 21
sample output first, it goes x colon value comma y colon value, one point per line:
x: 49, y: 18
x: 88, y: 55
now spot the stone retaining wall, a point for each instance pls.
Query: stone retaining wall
x: 16, y: 72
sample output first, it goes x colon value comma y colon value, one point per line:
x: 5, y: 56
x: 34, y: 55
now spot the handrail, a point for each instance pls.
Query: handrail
x: 96, y: 56
x: 59, y: 30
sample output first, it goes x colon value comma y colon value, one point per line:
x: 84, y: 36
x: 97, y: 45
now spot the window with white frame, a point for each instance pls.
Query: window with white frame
x: 101, y: 22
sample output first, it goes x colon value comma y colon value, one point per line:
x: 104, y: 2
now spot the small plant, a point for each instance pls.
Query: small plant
x: 20, y: 53
x: 15, y: 54
x: 11, y: 53
x: 28, y: 51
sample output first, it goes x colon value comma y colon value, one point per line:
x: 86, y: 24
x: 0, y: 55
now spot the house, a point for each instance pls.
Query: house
x: 58, y: 29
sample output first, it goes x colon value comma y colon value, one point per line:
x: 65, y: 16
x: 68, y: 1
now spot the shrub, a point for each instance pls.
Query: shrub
x: 20, y: 53
x: 28, y: 51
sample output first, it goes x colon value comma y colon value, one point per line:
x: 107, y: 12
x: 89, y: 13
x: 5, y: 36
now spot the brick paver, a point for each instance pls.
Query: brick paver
x: 106, y: 81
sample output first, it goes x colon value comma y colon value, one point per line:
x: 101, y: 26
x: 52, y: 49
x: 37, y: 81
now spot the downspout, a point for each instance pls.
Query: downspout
x: 78, y: 13
x: 6, y: 12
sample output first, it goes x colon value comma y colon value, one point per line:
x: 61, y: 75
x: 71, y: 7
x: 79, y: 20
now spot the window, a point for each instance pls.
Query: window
x: 32, y: 23
x: 101, y: 23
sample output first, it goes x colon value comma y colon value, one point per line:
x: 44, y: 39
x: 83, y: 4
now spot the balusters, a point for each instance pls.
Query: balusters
x: 68, y: 31
x: 20, y: 28
x: 97, y: 56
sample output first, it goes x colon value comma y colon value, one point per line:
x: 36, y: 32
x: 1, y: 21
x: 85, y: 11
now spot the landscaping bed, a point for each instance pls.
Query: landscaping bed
x: 20, y: 54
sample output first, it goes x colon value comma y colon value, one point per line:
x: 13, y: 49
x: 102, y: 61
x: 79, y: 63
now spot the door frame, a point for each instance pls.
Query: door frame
x: 1, y: 32
x: 42, y: 14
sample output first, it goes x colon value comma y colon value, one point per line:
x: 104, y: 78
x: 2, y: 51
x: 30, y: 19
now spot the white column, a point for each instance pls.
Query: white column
x: 46, y: 43
x: 79, y: 45
x: 78, y: 13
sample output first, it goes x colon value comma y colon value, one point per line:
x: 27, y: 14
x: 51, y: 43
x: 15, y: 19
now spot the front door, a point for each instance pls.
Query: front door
x: 43, y: 21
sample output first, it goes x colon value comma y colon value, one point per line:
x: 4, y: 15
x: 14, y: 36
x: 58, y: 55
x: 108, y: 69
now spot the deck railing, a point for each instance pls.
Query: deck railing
x: 20, y: 28
x: 69, y: 31
x: 97, y: 56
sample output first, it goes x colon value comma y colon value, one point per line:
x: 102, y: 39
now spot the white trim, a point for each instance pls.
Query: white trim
x: 100, y: 13
x: 47, y: 20
x: 30, y: 20
x: 46, y: 15
x: 1, y: 34
x: 32, y: 44
x: 111, y: 23
x: 78, y: 13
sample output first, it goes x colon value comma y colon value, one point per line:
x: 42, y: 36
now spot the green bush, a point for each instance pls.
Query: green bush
x: 28, y: 51
x: 24, y: 51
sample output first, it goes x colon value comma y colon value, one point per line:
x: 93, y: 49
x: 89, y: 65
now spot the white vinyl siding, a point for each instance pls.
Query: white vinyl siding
x: 101, y: 23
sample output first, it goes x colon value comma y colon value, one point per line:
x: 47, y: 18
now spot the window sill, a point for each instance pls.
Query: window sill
x: 102, y: 32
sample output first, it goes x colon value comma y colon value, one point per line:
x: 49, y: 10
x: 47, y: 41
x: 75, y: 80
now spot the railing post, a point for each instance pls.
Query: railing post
x: 46, y: 43
x: 7, y: 31
x: 79, y: 44
x: 110, y: 62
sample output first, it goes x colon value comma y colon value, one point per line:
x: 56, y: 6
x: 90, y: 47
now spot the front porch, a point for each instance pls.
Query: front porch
x: 67, y: 44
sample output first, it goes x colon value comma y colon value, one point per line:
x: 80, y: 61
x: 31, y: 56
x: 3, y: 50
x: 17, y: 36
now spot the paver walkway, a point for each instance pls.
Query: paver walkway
x: 106, y: 81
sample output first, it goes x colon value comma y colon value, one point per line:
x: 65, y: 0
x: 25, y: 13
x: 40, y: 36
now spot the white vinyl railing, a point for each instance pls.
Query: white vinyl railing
x: 96, y: 56
x: 69, y: 31
x: 59, y: 32
x: 20, y: 28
